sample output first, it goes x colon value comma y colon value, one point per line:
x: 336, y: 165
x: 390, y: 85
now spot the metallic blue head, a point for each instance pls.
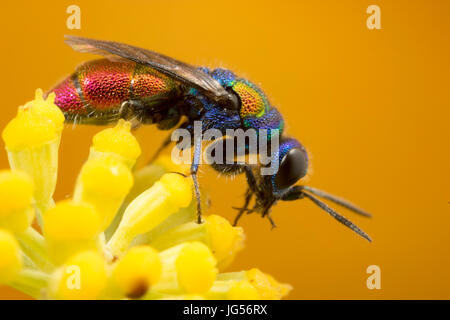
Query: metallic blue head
x: 293, y: 165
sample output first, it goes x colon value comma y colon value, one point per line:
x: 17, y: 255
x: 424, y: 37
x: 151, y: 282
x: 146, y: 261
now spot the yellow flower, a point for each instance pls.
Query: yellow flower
x: 32, y: 140
x: 116, y: 141
x: 10, y: 257
x: 138, y: 270
x: 150, y: 208
x: 216, y: 232
x: 103, y: 182
x: 70, y: 227
x: 188, y: 268
x: 125, y: 233
x: 28, y: 130
x: 243, y: 290
x: 47, y: 109
x: 16, y: 196
x: 196, y: 268
x: 267, y: 287
x: 83, y: 276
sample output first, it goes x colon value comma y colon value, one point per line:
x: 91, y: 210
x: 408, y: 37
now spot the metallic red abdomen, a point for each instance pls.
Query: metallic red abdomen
x: 102, y: 86
x: 105, y: 84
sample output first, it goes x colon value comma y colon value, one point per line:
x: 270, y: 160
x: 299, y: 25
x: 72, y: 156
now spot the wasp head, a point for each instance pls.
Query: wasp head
x: 268, y: 189
x: 293, y: 165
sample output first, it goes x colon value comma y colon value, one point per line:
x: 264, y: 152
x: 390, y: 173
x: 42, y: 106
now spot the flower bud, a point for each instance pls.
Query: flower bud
x: 10, y: 257
x: 28, y: 130
x: 216, y: 232
x: 224, y: 239
x: 150, y: 208
x: 116, y: 141
x: 47, y: 109
x: 188, y: 268
x: 234, y: 285
x: 196, y: 268
x: 32, y: 141
x: 243, y: 290
x: 82, y: 277
x: 144, y: 178
x: 103, y: 183
x: 70, y: 227
x: 268, y: 288
x: 137, y: 270
x: 16, y: 196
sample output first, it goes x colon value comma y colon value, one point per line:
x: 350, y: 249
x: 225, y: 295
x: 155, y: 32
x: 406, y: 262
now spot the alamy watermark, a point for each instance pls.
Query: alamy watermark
x: 74, y: 19
x: 374, y: 280
x: 374, y: 20
x: 250, y: 146
x: 73, y: 281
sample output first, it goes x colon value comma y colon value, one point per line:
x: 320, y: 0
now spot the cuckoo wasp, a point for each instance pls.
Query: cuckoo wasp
x: 146, y: 87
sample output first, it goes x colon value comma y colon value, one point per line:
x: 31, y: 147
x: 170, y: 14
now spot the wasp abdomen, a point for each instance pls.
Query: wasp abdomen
x: 101, y: 86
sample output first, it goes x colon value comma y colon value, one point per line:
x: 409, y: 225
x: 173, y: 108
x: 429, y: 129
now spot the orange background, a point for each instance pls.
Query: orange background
x: 371, y: 106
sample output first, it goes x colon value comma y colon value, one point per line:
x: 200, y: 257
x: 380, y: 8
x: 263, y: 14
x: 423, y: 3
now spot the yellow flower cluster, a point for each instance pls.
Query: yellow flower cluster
x: 125, y: 233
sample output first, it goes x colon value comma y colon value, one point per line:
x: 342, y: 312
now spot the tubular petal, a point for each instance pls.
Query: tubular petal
x: 151, y: 208
x: 103, y: 183
x: 10, y: 257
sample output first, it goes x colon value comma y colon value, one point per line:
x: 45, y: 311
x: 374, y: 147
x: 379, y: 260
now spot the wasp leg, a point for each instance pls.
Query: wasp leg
x: 271, y: 221
x: 252, y: 190
x: 266, y: 212
x: 133, y: 111
x: 194, y: 169
x: 251, y: 181
x: 248, y: 198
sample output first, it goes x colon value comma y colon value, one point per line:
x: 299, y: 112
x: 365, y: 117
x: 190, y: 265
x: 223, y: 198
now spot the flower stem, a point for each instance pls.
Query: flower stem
x: 31, y: 282
x: 33, y: 245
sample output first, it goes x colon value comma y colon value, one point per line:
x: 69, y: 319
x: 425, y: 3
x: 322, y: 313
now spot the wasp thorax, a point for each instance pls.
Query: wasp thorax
x: 253, y: 101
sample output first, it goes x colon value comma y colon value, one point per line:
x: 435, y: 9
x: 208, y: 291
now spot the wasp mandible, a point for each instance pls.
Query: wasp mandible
x: 150, y: 88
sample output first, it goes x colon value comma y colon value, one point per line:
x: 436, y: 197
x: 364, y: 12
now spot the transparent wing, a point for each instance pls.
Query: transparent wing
x: 175, y: 69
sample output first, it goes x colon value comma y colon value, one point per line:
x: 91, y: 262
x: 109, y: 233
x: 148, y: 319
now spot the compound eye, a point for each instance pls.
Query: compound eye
x: 234, y: 102
x: 293, y: 166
